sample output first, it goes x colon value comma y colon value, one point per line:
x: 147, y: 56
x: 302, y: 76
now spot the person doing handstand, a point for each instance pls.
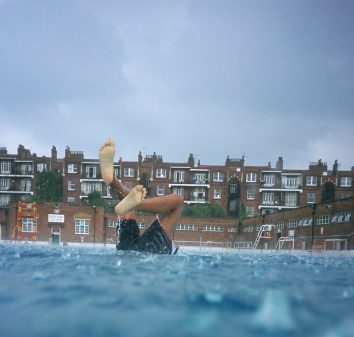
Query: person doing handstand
x: 168, y: 208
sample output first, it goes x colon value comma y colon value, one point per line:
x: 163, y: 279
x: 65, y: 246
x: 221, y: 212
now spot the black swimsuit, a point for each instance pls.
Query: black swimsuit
x: 153, y: 240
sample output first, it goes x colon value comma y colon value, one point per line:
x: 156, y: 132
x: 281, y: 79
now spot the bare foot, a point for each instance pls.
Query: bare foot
x: 136, y: 195
x: 106, y: 155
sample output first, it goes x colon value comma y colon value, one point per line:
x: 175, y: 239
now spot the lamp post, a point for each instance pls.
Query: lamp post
x: 94, y: 224
x: 313, y: 225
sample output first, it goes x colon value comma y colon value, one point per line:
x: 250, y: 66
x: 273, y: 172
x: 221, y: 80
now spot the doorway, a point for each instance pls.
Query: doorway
x: 56, y: 235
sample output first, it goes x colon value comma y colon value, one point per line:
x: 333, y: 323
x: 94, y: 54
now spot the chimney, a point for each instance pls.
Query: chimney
x: 54, y: 153
x: 335, y: 167
x: 279, y: 164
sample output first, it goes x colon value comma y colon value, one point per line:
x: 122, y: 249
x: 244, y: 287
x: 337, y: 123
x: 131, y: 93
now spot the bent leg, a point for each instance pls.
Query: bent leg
x: 168, y: 207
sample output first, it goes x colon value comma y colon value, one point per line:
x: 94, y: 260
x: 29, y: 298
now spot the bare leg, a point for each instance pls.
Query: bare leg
x: 133, y: 199
x: 169, y: 208
x: 106, y: 155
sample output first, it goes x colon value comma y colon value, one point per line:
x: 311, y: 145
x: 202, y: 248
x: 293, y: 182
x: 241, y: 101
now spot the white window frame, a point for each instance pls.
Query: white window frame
x: 91, y: 171
x: 290, y: 199
x: 26, y: 185
x: 26, y: 168
x: 251, y: 193
x: 186, y: 227
x: 72, y: 168
x: 160, y: 190
x: 251, y: 177
x: 213, y: 228
x: 346, y: 182
x: 82, y: 226
x: 41, y: 167
x: 178, y: 176
x: 4, y: 199
x: 178, y: 191
x: 269, y: 180
x: 5, y: 167
x: 129, y: 172
x: 249, y: 211
x: 311, y: 197
x: 161, y: 173
x: 71, y: 200
x: 217, y: 193
x: 311, y: 181
x: 268, y: 198
x: 28, y: 225
x: 4, y: 184
x: 218, y: 177
x: 200, y: 178
x: 71, y: 185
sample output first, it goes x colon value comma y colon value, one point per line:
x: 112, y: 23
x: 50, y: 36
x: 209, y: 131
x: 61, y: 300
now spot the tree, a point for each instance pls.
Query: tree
x: 204, y: 210
x: 95, y: 199
x: 49, y: 187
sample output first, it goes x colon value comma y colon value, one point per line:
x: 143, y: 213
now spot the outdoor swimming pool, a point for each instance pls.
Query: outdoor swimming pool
x: 74, y: 291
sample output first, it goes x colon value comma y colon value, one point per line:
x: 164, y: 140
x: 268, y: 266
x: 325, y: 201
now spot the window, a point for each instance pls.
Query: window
x: 5, y: 167
x: 178, y: 176
x: 89, y: 187
x: 279, y: 225
x: 269, y: 179
x: 112, y: 224
x: 345, y: 195
x: 82, y: 226
x: 160, y: 173
x: 290, y: 182
x: 72, y: 168
x: 140, y: 224
x: 231, y: 229
x: 160, y: 190
x: 218, y: 176
x: 251, y: 193
x: 4, y: 199
x: 345, y: 181
x: 292, y: 223
x: 251, y: 177
x: 199, y: 194
x: 199, y: 178
x: 268, y: 198
x: 4, y: 184
x: 311, y: 181
x: 233, y: 188
x: 250, y: 211
x: 26, y: 185
x: 290, y: 199
x: 91, y: 171
x: 212, y: 228
x: 28, y: 225
x: 323, y: 219
x: 71, y: 185
x: 186, y: 227
x: 41, y: 167
x: 217, y: 193
x: 129, y: 172
x: 26, y: 168
x: 71, y: 200
x: 178, y: 190
x: 117, y: 172
x: 311, y: 197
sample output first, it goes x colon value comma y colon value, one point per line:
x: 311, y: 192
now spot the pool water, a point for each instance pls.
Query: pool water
x: 80, y: 291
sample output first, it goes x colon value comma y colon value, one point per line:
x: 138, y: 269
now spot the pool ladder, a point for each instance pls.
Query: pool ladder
x: 264, y: 233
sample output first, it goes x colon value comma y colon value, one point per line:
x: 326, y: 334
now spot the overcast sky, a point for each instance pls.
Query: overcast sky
x: 263, y: 78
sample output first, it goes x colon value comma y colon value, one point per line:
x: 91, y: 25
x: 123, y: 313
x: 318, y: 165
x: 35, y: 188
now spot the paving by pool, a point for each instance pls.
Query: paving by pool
x: 80, y: 291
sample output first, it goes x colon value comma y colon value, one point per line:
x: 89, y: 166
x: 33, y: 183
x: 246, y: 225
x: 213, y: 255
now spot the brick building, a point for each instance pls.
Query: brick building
x: 262, y: 190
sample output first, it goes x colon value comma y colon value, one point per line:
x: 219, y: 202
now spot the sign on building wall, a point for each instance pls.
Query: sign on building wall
x: 56, y: 218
